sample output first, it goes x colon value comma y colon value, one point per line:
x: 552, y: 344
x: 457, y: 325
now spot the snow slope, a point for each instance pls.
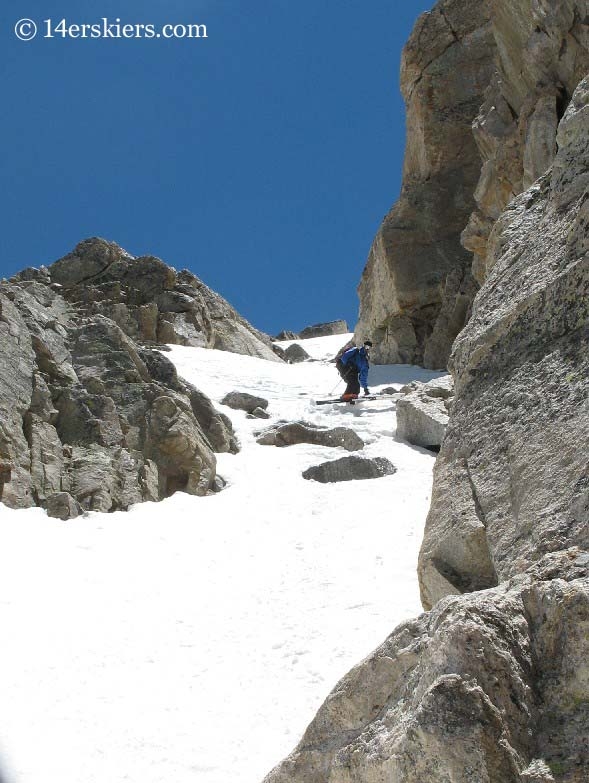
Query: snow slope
x: 194, y: 639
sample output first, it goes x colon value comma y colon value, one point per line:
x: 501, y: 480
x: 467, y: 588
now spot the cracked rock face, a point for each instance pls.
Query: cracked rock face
x: 416, y: 288
x: 486, y: 688
x: 512, y: 481
x: 88, y: 419
x: 508, y: 68
x: 542, y: 54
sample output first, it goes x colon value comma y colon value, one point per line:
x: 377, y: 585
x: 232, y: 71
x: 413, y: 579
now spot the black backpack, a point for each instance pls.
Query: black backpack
x: 343, y: 367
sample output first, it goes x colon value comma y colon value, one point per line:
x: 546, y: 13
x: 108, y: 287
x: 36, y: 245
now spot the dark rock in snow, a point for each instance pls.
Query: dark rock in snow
x: 219, y: 484
x: 295, y: 353
x: 350, y: 469
x: 63, y: 506
x: 242, y: 401
x: 389, y: 390
x: 299, y: 432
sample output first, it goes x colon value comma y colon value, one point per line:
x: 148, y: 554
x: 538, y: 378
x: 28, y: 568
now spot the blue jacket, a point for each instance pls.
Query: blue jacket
x: 357, y: 357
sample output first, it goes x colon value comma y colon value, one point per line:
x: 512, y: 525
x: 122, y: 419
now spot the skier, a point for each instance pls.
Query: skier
x: 353, y: 366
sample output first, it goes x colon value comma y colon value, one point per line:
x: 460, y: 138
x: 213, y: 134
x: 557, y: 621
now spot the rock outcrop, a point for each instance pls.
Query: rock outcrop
x: 512, y: 479
x: 422, y: 412
x: 150, y: 301
x: 491, y: 685
x: 486, y: 688
x: 512, y: 78
x: 90, y: 420
x: 317, y: 330
x: 324, y: 330
x: 417, y: 286
x: 542, y: 54
x: 285, y: 334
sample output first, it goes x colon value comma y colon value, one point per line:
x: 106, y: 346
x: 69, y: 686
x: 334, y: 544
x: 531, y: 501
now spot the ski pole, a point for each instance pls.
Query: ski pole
x: 336, y: 385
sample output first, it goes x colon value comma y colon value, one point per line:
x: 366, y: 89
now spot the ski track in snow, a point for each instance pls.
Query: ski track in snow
x: 194, y: 639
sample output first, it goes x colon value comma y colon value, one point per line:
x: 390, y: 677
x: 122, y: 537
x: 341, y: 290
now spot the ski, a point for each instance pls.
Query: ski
x: 364, y: 398
x: 334, y: 400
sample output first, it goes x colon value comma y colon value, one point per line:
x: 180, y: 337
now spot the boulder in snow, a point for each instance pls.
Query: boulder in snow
x: 62, y: 505
x: 422, y: 413
x: 299, y: 432
x: 218, y: 485
x: 242, y: 401
x: 295, y: 353
x: 389, y: 390
x: 350, y: 469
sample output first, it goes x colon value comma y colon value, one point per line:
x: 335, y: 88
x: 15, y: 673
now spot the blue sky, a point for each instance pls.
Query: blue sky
x: 262, y: 158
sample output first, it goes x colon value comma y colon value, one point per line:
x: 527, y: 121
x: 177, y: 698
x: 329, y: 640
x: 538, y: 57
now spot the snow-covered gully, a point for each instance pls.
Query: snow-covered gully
x: 194, y: 639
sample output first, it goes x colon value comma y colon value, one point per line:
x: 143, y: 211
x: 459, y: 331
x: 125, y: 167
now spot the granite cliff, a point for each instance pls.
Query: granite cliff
x: 417, y: 285
x: 491, y: 684
x: 485, y: 85
x: 91, y: 416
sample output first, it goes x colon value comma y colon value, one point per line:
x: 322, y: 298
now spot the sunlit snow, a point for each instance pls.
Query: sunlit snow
x: 193, y: 640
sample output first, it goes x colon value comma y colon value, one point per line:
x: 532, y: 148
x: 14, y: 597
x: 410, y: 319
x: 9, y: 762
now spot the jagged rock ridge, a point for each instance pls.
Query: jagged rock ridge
x: 149, y: 300
x: 90, y: 419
